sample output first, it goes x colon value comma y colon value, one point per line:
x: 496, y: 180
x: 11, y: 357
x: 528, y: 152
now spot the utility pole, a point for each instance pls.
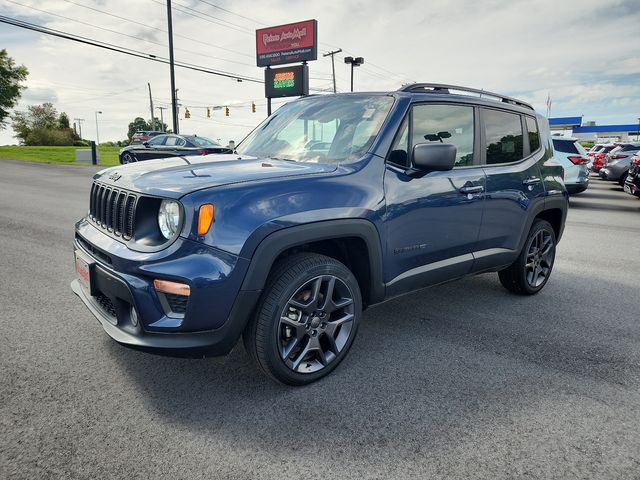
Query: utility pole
x: 176, y: 120
x: 79, y: 120
x: 333, y: 67
x: 174, y: 101
x: 153, y: 122
x: 162, y: 117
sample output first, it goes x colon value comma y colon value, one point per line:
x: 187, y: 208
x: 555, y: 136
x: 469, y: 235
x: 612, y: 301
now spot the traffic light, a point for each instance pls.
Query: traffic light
x: 226, y: 111
x: 187, y: 114
x: 253, y: 107
x: 208, y: 112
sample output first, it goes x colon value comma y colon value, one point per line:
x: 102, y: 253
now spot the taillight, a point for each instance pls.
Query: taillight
x: 637, y: 161
x: 617, y: 157
x: 577, y: 160
x: 202, y: 151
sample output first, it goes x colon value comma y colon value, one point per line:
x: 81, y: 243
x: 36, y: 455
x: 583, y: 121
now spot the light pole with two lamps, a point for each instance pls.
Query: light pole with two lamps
x: 355, y: 62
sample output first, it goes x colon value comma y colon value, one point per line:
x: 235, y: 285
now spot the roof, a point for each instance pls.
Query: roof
x: 570, y: 121
x: 630, y: 128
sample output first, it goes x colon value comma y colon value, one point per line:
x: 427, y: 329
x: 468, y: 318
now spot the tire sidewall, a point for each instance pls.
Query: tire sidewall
x: 271, y: 314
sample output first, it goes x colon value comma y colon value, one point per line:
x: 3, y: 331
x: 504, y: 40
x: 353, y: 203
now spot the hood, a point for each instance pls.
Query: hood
x: 177, y: 176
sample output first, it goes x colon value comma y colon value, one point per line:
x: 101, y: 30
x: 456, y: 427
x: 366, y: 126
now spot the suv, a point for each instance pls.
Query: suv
x: 142, y: 136
x: 333, y: 204
x: 574, y: 159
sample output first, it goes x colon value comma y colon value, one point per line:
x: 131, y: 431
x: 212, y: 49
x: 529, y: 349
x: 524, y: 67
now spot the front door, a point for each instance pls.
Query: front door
x: 433, y: 219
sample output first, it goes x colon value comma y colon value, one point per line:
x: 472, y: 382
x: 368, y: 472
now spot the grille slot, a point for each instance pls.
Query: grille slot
x: 106, y: 304
x: 113, y: 209
x: 177, y: 303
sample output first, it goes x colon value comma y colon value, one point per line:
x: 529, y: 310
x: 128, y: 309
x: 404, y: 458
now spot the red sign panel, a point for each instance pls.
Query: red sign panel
x: 291, y: 43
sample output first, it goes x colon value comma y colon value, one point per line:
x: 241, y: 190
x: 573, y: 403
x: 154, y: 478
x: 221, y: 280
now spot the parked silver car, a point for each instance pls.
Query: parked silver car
x: 618, y: 161
x: 574, y: 160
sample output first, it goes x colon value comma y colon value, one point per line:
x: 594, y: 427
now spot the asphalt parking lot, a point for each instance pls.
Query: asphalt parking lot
x: 462, y: 380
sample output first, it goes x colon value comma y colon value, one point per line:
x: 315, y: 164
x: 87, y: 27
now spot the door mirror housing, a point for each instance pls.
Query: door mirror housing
x: 434, y: 156
x: 145, y: 144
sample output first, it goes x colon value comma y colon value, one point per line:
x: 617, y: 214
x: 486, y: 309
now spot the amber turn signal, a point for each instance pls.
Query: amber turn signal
x: 165, y: 286
x: 205, y: 218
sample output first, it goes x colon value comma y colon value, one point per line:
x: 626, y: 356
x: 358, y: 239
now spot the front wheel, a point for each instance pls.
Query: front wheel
x: 306, y: 320
x: 531, y: 271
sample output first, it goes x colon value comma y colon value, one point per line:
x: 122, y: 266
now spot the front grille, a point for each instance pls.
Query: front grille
x: 94, y: 251
x: 106, y: 304
x: 113, y: 209
x: 177, y: 303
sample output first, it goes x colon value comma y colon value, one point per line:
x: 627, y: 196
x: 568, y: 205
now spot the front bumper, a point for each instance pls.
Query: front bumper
x: 121, y: 281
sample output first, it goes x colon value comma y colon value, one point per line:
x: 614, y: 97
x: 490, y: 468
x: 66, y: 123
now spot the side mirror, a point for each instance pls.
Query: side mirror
x: 146, y: 144
x: 434, y: 156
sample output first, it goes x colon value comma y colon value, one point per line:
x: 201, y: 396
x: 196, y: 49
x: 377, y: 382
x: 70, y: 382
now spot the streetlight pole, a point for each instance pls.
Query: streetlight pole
x: 97, y: 132
x: 638, y: 136
x: 355, y: 62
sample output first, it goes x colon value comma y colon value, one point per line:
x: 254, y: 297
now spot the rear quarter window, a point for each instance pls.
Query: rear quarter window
x: 534, y: 134
x: 564, y: 146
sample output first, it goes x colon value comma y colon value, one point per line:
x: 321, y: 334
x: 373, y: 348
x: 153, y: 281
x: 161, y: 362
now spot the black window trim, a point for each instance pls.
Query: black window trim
x: 408, y: 116
x: 526, y: 153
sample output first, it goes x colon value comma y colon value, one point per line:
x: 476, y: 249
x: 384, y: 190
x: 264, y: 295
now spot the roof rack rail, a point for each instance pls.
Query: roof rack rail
x: 444, y: 88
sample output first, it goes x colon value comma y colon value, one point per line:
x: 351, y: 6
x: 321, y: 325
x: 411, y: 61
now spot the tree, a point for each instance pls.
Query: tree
x: 140, y: 123
x: 63, y: 121
x: 41, y: 125
x: 11, y: 78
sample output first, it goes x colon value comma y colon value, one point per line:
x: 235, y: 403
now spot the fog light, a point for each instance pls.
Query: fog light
x: 134, y: 317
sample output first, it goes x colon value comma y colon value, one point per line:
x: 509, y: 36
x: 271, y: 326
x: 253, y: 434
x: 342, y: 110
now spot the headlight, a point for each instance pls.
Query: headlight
x: 169, y: 218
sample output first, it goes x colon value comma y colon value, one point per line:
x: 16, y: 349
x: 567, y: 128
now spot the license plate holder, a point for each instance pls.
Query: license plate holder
x: 84, y: 271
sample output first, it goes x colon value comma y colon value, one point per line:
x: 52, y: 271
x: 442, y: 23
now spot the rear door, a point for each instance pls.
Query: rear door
x: 149, y: 149
x: 433, y: 219
x: 511, y: 149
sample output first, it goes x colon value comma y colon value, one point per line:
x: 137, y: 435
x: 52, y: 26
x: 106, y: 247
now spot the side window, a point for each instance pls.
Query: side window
x: 534, y: 135
x: 171, y: 141
x: 503, y: 133
x: 400, y: 149
x: 157, y: 140
x: 451, y: 124
x: 180, y: 142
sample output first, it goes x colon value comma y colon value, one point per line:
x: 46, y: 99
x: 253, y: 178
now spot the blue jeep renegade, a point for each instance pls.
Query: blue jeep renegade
x: 334, y: 203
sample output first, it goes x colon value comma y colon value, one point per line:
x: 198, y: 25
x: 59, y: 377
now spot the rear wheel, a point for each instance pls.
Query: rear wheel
x: 531, y: 271
x: 127, y: 157
x: 306, y: 320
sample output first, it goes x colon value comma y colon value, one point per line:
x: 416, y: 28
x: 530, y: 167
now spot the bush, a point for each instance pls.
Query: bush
x: 80, y: 143
x: 49, y: 137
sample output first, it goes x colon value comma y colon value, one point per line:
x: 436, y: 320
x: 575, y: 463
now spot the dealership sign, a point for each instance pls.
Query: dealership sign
x: 291, y: 43
x: 290, y: 81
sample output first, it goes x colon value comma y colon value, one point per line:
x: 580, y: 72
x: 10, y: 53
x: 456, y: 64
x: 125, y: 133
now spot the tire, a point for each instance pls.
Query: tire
x: 532, y: 269
x: 297, y: 335
x: 127, y: 158
x: 622, y: 179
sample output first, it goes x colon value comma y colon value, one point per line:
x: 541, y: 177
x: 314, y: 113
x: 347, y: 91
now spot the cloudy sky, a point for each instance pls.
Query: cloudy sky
x: 584, y: 53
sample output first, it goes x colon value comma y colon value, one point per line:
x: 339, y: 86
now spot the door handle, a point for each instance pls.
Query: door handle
x: 470, y: 190
x: 531, y: 181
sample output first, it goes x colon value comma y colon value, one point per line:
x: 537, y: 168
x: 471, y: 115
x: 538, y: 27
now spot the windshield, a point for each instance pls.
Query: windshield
x: 331, y: 129
x: 202, y: 141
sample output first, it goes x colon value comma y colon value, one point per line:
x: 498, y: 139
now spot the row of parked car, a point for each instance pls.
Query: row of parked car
x: 618, y: 162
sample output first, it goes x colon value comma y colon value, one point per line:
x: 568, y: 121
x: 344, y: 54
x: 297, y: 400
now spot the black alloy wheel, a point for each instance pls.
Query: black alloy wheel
x: 128, y: 157
x: 306, y: 319
x: 532, y: 269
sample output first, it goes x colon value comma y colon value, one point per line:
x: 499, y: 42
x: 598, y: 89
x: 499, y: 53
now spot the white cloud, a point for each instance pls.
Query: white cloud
x: 584, y: 53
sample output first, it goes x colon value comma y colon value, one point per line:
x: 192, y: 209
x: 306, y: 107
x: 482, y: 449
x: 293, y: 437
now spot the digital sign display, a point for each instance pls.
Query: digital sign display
x: 286, y: 81
x: 291, y: 43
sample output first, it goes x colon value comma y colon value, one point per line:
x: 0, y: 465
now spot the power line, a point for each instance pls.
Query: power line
x: 160, y: 29
x: 126, y: 51
x: 211, y: 19
x: 233, y: 13
x: 126, y: 34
